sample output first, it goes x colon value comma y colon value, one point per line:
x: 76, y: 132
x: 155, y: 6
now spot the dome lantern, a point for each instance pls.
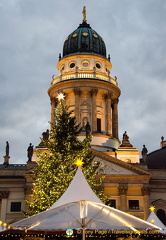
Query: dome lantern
x: 84, y: 40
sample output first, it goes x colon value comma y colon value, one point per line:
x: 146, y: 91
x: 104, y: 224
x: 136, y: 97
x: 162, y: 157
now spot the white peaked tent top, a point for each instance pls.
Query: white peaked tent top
x: 78, y: 190
x: 155, y: 220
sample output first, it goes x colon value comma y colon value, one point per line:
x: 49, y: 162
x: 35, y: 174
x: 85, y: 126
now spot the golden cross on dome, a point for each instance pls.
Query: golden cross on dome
x: 79, y: 162
x: 84, y: 14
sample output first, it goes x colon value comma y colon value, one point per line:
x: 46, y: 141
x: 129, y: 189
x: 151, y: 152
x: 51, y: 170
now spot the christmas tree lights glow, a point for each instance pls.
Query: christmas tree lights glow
x: 56, y: 166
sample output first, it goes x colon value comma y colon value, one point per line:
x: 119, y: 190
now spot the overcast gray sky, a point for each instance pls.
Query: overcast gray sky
x: 32, y: 36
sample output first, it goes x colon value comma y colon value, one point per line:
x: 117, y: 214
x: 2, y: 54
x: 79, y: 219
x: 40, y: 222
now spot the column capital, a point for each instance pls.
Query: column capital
x: 122, y: 190
x: 4, y: 194
x: 53, y: 100
x: 116, y: 100
x: 77, y: 91
x: 109, y: 95
x: 145, y: 191
x: 94, y: 91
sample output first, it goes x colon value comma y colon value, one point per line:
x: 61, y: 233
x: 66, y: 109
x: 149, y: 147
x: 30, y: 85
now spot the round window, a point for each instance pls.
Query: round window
x: 85, y: 63
x: 72, y: 65
x: 98, y: 65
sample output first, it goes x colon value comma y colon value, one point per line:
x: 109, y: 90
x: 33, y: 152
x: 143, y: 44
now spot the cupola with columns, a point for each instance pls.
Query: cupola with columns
x: 84, y: 78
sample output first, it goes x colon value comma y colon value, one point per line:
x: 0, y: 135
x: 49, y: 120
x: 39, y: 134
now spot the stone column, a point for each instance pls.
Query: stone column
x: 53, y: 106
x: 123, y: 200
x: 108, y: 114
x: 4, y: 197
x: 146, y: 192
x: 94, y: 112
x: 115, y: 118
x: 77, y: 93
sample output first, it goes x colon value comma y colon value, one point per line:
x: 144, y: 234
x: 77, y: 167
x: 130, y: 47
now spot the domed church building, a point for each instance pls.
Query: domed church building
x: 84, y: 77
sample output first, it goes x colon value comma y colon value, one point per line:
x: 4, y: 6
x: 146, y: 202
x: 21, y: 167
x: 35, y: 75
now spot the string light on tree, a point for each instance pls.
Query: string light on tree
x: 56, y: 166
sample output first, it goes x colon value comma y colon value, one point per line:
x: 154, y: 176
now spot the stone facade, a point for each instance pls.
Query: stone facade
x: 84, y: 78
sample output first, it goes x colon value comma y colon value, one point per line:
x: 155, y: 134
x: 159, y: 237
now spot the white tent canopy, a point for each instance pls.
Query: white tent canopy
x: 79, y: 208
x: 155, y: 220
x: 78, y: 190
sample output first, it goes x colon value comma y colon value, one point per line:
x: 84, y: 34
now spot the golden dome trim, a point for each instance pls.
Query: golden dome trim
x: 85, y: 34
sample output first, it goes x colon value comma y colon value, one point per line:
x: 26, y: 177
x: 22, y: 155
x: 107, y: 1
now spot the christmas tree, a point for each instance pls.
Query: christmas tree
x: 55, y: 168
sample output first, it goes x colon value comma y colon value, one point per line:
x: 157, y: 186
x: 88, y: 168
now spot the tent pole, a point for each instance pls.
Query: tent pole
x: 83, y: 228
x: 83, y: 234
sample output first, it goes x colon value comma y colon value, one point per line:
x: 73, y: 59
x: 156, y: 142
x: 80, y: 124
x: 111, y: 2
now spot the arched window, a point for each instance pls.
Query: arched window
x: 161, y: 215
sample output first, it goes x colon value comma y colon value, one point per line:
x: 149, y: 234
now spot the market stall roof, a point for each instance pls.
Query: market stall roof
x: 79, y: 208
x: 155, y: 220
x: 78, y: 190
x: 84, y: 214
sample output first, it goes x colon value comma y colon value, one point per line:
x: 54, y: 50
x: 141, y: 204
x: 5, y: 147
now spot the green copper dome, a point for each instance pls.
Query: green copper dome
x: 84, y: 40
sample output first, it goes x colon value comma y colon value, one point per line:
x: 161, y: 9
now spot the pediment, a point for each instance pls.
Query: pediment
x: 110, y: 168
x: 113, y: 166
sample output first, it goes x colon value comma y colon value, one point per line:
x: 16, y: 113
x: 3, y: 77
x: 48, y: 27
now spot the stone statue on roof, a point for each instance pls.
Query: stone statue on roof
x: 125, y: 141
x: 144, y: 153
x: 7, y: 148
x: 44, y: 138
x: 45, y: 135
x: 30, y: 152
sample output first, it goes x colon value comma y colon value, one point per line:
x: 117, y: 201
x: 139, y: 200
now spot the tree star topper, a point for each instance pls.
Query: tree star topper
x: 79, y: 162
x: 61, y: 96
x: 152, y: 208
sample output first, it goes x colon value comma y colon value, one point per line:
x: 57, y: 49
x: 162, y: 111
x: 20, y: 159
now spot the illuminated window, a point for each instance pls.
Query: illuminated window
x: 85, y: 63
x: 111, y: 203
x: 15, y: 207
x: 134, y: 204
